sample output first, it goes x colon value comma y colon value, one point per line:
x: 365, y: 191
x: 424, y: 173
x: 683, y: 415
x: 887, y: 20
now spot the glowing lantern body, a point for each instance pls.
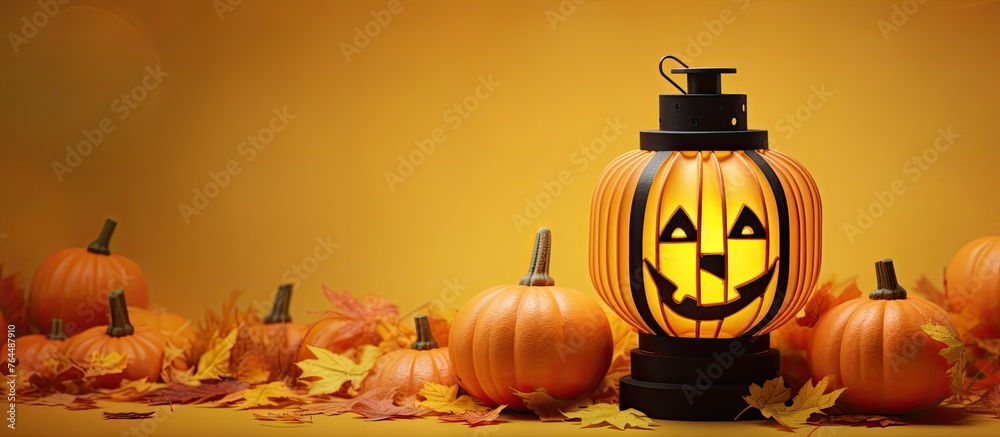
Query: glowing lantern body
x: 703, y: 240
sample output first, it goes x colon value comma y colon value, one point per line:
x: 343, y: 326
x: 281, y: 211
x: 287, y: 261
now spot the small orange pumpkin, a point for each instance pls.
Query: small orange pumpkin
x: 408, y: 369
x: 278, y: 323
x: 33, y: 350
x: 73, y: 285
x: 178, y: 330
x: 530, y: 336
x: 142, y: 345
x: 972, y: 280
x: 877, y: 349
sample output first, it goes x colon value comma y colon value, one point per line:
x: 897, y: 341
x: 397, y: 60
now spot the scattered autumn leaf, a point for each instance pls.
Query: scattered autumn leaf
x: 770, y: 400
x: 99, y: 364
x: 12, y: 304
x: 444, y: 399
x: 186, y: 394
x: 927, y: 290
x: 283, y: 417
x: 67, y: 400
x: 378, y: 404
x: 260, y: 396
x: 823, y: 299
x: 611, y: 414
x: 476, y: 418
x: 989, y: 403
x: 333, y: 407
x: 128, y: 415
x: 132, y: 390
x: 954, y: 352
x: 214, y: 364
x: 550, y: 409
x: 174, y: 368
x: 330, y: 371
x: 854, y: 419
x: 228, y: 319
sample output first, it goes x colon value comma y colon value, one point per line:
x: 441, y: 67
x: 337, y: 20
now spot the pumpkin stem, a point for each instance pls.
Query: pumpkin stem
x: 538, y: 271
x: 120, y: 325
x: 888, y: 286
x: 279, y: 311
x: 57, y: 332
x: 100, y: 245
x: 425, y: 339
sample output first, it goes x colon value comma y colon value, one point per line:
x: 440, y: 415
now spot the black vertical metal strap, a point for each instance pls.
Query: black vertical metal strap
x: 635, y: 240
x: 781, y: 203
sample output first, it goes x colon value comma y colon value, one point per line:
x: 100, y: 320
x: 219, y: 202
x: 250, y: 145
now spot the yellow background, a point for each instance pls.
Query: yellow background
x: 561, y: 77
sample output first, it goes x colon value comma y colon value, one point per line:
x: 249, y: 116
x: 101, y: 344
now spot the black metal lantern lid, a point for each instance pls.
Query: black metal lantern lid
x: 702, y: 118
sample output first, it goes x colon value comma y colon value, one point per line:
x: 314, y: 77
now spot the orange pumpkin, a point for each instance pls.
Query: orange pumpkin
x: 338, y: 334
x: 178, y: 330
x: 530, y: 336
x: 972, y: 280
x: 877, y: 349
x: 408, y: 369
x: 33, y: 350
x: 279, y: 329
x: 73, y: 285
x: 142, y: 345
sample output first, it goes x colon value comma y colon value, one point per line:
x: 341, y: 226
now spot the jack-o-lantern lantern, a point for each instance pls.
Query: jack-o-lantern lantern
x: 704, y: 233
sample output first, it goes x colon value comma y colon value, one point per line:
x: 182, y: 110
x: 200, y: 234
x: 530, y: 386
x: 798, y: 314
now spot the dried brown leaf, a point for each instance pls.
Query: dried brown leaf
x: 185, y: 394
x: 128, y: 415
x: 476, y: 418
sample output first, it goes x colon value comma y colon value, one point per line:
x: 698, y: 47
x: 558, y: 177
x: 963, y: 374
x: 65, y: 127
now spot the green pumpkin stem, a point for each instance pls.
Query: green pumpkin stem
x: 538, y: 271
x: 888, y: 286
x: 120, y: 325
x: 279, y: 311
x: 425, y: 339
x: 57, y: 332
x: 100, y: 245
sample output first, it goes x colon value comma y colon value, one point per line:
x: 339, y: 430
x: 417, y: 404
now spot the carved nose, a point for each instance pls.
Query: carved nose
x: 714, y: 264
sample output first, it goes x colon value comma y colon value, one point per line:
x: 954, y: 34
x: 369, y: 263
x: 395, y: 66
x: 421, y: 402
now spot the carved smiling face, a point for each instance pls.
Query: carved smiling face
x: 721, y: 241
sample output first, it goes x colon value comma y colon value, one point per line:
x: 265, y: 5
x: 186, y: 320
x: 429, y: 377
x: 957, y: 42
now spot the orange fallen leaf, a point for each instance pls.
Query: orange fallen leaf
x: 128, y: 415
x: 65, y: 400
x: 263, y: 395
x: 854, y: 419
x: 283, y: 417
x: 186, y: 394
x: 550, y: 409
x: 331, y: 408
x: 989, y: 403
x: 823, y: 299
x: 132, y: 390
x: 474, y: 418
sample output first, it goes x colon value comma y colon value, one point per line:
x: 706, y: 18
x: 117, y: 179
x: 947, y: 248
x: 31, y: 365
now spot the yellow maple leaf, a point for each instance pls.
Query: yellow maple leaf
x: 214, y: 364
x: 260, y: 396
x: 954, y: 352
x: 550, y: 409
x: 99, y: 364
x: 770, y: 400
x: 333, y: 370
x: 132, y: 390
x: 444, y: 399
x: 611, y: 414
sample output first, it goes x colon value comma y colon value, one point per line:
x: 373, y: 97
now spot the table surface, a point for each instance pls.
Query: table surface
x: 206, y: 420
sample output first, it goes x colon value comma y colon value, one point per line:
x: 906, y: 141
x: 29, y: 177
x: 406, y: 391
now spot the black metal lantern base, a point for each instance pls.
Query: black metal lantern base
x: 697, y: 379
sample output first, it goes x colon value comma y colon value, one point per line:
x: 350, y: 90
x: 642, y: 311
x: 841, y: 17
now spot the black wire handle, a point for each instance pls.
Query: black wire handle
x: 668, y: 77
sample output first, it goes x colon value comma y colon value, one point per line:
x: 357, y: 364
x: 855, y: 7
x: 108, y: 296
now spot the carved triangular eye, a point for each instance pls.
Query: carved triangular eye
x: 747, y: 225
x: 679, y: 229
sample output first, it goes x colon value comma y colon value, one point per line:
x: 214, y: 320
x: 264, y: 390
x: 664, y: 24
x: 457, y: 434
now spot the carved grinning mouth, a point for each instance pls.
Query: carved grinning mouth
x: 691, y: 309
